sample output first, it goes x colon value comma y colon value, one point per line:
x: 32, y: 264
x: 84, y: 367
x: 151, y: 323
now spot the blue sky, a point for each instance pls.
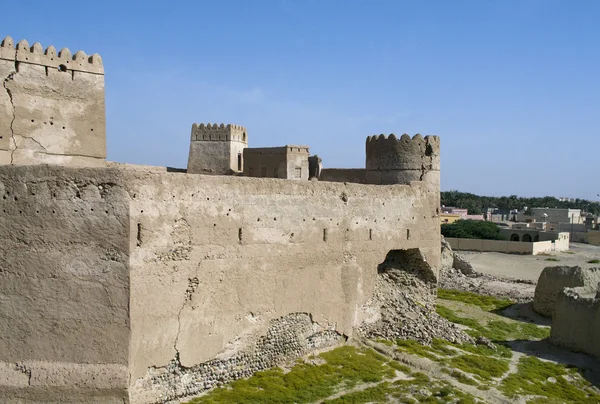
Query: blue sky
x: 511, y: 87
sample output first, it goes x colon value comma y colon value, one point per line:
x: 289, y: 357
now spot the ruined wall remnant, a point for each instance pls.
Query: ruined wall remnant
x: 576, y: 320
x: 51, y: 106
x: 553, y: 280
x: 217, y: 149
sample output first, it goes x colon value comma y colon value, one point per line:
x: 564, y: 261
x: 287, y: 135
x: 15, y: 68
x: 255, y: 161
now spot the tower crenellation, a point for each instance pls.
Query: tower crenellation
x: 219, y: 132
x: 63, y: 60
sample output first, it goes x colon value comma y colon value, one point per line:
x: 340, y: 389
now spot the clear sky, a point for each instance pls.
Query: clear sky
x: 512, y: 87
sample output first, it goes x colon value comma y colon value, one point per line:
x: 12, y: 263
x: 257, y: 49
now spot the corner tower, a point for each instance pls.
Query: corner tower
x: 399, y: 161
x: 217, y: 149
x: 51, y: 106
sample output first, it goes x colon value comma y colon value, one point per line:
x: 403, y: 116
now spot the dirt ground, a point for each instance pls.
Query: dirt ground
x: 530, y: 266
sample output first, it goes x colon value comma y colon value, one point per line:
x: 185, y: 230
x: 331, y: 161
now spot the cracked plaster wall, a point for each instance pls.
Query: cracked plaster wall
x: 49, y: 116
x: 221, y: 257
x: 172, y: 271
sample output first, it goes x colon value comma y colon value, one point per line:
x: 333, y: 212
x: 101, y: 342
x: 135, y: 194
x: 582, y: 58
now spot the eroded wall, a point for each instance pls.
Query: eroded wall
x: 576, y: 320
x: 52, y: 107
x: 219, y: 259
x: 173, y: 283
x: 64, y: 285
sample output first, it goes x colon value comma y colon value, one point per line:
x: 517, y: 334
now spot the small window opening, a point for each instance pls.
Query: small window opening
x: 239, y: 161
x: 62, y: 68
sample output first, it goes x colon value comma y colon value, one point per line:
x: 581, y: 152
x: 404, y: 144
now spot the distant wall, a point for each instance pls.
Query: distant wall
x: 503, y: 246
x: 51, y: 106
x: 355, y: 175
x: 594, y: 237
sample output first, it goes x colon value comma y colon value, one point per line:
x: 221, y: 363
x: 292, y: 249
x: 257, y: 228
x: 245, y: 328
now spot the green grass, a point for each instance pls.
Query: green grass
x: 552, y: 259
x: 569, y: 252
x: 532, y: 376
x: 594, y: 261
x: 345, y: 367
x: 460, y: 376
x: 485, y: 367
x: 496, y: 330
x: 486, y: 303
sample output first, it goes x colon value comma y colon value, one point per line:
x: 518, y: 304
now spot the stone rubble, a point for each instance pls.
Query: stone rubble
x: 405, y: 296
x: 287, y: 338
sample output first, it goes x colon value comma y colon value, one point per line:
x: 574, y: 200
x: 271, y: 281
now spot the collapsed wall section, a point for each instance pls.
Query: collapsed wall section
x: 64, y: 286
x: 218, y: 263
x: 52, y: 107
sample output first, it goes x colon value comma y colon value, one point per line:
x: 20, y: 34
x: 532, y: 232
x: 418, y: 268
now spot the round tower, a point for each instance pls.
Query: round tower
x: 399, y: 161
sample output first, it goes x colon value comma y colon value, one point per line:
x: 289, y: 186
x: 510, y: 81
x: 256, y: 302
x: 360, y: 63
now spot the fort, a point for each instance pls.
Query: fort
x: 123, y: 283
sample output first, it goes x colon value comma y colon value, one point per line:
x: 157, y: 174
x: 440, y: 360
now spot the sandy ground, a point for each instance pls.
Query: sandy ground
x: 530, y: 266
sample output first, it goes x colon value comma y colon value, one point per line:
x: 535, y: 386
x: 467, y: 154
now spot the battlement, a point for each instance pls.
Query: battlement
x: 219, y: 132
x: 63, y: 60
x: 404, y: 153
x: 417, y: 141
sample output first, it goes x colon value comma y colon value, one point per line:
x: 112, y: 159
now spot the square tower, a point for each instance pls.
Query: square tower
x: 217, y: 149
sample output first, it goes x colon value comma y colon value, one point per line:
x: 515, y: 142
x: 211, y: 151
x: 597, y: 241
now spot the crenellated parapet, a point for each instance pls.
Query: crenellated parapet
x: 395, y: 160
x: 219, y: 132
x: 62, y: 60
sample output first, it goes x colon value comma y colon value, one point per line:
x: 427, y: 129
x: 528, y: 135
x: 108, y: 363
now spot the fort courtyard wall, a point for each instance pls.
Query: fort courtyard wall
x: 51, y: 106
x: 132, y: 274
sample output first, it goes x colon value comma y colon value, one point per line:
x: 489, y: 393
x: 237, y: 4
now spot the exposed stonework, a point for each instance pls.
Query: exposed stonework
x: 51, y: 106
x: 576, y: 320
x: 287, y: 337
x: 553, y: 280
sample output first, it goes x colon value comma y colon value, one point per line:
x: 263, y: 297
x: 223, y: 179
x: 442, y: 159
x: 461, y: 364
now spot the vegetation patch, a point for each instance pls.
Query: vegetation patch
x: 552, y: 259
x: 476, y: 229
x: 487, y: 303
x: 550, y: 381
x: 496, y: 330
x: 345, y: 367
x: 594, y: 261
x: 485, y: 368
x: 460, y: 376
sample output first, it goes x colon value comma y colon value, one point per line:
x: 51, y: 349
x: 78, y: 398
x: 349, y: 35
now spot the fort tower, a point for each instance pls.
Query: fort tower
x: 51, y: 106
x: 217, y: 149
x: 390, y: 160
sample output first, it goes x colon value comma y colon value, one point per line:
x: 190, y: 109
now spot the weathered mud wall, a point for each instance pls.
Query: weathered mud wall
x: 217, y: 259
x: 171, y: 283
x: 576, y: 320
x: 64, y: 286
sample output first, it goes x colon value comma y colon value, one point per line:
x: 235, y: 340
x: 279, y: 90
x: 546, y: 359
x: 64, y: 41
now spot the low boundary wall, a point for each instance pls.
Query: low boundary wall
x: 504, y: 246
